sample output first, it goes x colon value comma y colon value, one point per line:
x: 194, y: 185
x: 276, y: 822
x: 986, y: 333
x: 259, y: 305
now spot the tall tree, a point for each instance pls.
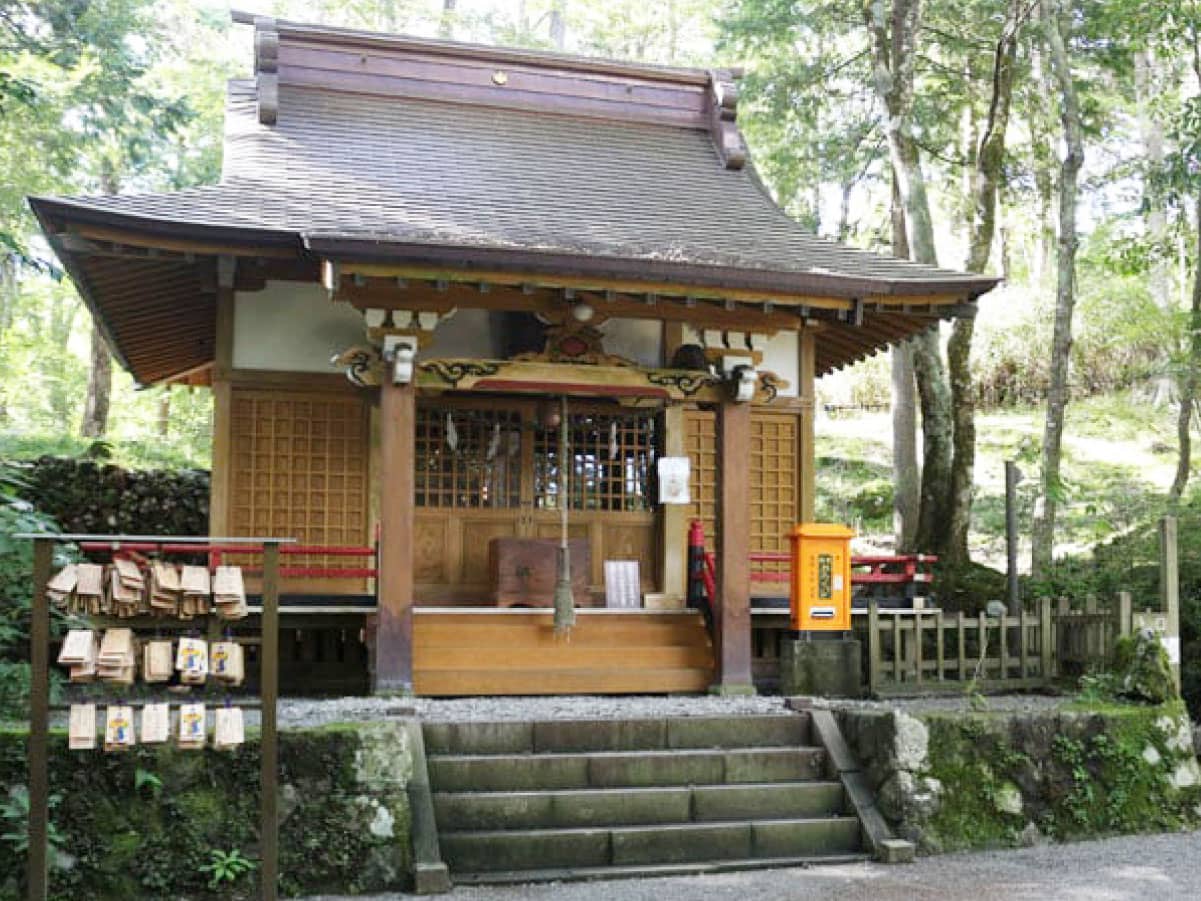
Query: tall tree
x: 986, y: 183
x: 906, y: 477
x: 894, y: 31
x: 1053, y: 18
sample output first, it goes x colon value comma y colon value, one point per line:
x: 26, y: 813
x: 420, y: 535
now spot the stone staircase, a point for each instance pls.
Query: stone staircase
x: 549, y: 800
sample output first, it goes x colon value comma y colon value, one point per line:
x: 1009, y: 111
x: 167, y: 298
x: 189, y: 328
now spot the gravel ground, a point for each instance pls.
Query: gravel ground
x: 299, y: 712
x: 1160, y: 866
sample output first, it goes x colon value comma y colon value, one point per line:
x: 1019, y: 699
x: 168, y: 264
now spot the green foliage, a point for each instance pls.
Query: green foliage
x: 16, y: 594
x: 226, y: 867
x: 14, y: 821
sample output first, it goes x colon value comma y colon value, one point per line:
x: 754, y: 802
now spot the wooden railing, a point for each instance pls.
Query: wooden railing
x: 928, y: 651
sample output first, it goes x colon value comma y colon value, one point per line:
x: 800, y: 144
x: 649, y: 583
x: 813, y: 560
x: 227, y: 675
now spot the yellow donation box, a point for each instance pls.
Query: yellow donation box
x: 821, y: 577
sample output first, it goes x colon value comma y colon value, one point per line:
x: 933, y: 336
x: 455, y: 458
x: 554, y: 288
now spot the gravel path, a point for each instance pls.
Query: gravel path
x: 1163, y: 867
x: 300, y: 712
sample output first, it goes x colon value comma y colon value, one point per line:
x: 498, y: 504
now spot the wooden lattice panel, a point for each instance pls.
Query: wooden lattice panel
x: 613, y: 463
x: 773, y: 483
x: 299, y: 468
x: 468, y: 458
x: 774, y: 462
x: 700, y: 444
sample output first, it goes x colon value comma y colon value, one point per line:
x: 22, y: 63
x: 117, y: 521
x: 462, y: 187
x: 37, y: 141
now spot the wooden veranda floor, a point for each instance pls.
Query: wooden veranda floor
x: 483, y: 651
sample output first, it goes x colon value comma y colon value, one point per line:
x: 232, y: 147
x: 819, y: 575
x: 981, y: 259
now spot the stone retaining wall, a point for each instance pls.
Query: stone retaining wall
x: 141, y: 824
x: 952, y: 781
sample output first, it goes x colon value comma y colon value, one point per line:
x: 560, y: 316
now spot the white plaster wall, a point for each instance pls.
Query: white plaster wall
x: 468, y: 333
x: 292, y: 327
x: 780, y: 357
x: 640, y: 340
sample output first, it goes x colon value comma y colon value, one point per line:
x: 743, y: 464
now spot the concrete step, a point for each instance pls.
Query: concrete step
x: 532, y: 772
x: 567, y: 736
x: 636, y: 806
x: 646, y: 871
x: 541, y: 849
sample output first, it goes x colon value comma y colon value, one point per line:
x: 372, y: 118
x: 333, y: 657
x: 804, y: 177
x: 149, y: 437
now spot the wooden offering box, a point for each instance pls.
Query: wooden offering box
x: 523, y: 571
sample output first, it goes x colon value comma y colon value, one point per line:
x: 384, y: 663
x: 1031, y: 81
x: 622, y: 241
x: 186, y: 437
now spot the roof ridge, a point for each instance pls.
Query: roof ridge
x: 395, y: 40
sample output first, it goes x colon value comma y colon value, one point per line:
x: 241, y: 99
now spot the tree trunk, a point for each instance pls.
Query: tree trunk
x: 989, y: 170
x: 100, y: 374
x: 894, y: 35
x: 906, y: 478
x: 1188, y: 381
x: 1043, y: 535
x: 100, y: 386
x: 446, y: 23
x: 937, y: 436
x: 164, y: 412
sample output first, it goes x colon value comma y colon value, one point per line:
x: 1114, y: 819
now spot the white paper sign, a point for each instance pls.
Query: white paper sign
x: 156, y: 723
x: 674, y: 475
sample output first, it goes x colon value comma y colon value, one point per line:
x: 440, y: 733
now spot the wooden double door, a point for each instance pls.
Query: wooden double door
x: 489, y: 468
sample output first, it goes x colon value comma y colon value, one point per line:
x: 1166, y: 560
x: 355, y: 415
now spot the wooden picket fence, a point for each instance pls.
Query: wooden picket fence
x: 928, y: 651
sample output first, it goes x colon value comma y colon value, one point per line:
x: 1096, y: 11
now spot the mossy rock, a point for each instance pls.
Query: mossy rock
x: 1143, y: 669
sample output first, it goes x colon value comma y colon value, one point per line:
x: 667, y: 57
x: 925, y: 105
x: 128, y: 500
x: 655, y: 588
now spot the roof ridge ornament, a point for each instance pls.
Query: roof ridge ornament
x: 266, y: 68
x: 723, y: 115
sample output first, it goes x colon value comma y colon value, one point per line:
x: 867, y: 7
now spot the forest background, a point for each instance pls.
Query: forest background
x: 1054, y: 143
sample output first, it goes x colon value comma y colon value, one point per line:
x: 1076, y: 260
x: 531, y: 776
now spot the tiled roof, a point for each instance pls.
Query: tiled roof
x: 415, y: 172
x: 393, y: 149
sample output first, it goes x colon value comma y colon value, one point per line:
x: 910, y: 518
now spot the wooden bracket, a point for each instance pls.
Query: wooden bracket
x: 723, y: 113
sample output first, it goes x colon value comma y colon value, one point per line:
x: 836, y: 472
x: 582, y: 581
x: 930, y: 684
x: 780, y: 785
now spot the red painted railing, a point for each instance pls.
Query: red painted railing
x: 874, y: 570
x: 217, y: 554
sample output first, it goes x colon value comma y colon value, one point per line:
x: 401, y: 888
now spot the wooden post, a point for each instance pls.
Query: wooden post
x: 940, y: 651
x: 1046, y: 640
x: 222, y: 453
x: 982, y: 634
x: 1125, y: 614
x: 873, y: 648
x: 394, y: 631
x: 1169, y: 592
x: 269, y: 695
x: 898, y: 649
x: 1003, y: 645
x: 961, y: 634
x: 918, y: 661
x: 39, y: 723
x: 733, y: 548
x: 1012, y: 477
x: 806, y: 458
x: 1023, y: 642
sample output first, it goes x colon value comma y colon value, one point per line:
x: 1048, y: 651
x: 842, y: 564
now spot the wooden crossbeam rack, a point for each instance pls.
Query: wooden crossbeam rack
x: 39, y: 690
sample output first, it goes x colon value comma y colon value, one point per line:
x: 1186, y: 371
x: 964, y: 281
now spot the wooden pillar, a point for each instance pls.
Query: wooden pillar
x: 675, y: 516
x: 222, y: 457
x: 394, y: 630
x: 733, y: 549
x: 806, y: 457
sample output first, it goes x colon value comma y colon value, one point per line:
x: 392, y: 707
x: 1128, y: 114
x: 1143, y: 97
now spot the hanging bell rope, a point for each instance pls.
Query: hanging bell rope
x: 564, y: 599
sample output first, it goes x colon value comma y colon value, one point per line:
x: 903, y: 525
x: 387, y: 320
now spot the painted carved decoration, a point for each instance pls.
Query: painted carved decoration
x: 686, y: 381
x: 574, y: 342
x: 363, y: 364
x: 454, y: 371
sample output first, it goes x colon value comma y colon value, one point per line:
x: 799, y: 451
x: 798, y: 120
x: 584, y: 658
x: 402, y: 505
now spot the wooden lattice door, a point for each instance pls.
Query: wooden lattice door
x: 300, y: 470
x: 775, y: 458
x: 486, y: 469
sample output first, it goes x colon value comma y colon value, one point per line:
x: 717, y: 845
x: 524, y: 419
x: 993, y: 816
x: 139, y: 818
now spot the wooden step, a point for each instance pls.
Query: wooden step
x: 518, y: 653
x: 597, y: 681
